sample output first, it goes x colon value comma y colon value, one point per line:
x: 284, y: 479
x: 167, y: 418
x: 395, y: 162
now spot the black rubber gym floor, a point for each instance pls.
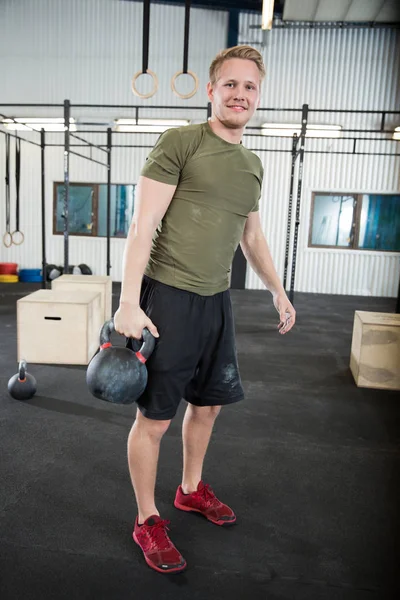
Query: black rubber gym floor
x: 309, y: 462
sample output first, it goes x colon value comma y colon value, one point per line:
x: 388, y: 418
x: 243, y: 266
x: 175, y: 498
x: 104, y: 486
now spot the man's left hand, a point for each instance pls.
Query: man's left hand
x: 287, y: 314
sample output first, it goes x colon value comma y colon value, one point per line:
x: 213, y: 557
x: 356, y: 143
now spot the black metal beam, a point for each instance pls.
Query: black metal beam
x: 87, y: 157
x: 327, y: 25
x: 86, y: 142
x: 169, y: 107
x: 233, y: 28
x: 109, y: 147
x: 242, y: 5
x: 304, y: 118
x: 67, y: 114
x: 22, y: 139
x: 289, y: 215
x: 30, y: 105
x: 327, y: 152
x: 136, y: 106
x: 43, y: 194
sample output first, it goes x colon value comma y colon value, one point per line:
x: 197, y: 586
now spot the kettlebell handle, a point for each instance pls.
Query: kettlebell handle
x: 22, y: 370
x: 145, y: 350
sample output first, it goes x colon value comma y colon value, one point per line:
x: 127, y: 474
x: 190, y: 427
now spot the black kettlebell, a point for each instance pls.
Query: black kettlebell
x: 22, y: 386
x: 117, y: 374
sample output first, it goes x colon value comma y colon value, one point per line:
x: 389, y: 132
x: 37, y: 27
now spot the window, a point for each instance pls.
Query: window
x: 88, y: 209
x: 380, y: 223
x: 355, y: 221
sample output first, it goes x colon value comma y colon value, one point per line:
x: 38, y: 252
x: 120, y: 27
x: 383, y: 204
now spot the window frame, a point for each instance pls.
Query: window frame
x: 95, y: 209
x: 95, y: 187
x: 355, y: 228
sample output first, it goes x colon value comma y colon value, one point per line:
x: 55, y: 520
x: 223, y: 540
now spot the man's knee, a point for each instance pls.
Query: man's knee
x: 151, y: 427
x: 205, y: 412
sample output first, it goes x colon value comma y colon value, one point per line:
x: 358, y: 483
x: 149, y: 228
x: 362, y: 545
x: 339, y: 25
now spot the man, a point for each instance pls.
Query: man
x: 196, y: 200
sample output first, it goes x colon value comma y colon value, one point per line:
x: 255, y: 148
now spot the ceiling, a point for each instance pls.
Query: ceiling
x: 247, y: 5
x: 343, y: 11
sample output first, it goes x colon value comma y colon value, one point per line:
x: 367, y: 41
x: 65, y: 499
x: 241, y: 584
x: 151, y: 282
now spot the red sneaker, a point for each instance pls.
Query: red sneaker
x: 158, y: 550
x: 205, y: 502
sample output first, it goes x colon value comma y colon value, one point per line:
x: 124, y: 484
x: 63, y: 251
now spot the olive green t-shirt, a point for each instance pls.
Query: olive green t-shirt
x: 218, y: 185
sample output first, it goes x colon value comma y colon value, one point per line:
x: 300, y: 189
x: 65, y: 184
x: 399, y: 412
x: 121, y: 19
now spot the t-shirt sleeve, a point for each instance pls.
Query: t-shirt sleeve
x: 260, y: 177
x: 165, y: 161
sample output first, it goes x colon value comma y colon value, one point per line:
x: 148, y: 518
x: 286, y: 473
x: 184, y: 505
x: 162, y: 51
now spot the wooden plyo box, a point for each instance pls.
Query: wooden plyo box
x: 55, y: 327
x: 375, y: 350
x: 92, y: 283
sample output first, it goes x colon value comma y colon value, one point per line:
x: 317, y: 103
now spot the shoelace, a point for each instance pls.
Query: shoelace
x: 208, y: 495
x: 158, y: 535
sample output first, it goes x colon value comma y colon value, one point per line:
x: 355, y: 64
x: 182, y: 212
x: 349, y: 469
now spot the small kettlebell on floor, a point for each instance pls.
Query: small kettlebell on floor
x: 22, y: 386
x: 118, y: 374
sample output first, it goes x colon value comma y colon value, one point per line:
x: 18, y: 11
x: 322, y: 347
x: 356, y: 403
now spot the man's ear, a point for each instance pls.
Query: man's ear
x: 210, y: 92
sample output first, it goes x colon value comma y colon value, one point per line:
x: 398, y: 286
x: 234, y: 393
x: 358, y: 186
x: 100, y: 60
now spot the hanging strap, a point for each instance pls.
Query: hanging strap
x: 145, y: 55
x: 185, y: 70
x: 17, y: 236
x: 7, y: 238
x: 8, y: 182
x: 17, y: 178
x: 186, y: 36
x: 146, y: 35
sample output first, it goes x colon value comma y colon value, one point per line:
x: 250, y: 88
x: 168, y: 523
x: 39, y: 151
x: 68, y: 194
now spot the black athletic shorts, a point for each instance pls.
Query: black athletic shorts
x: 195, y: 355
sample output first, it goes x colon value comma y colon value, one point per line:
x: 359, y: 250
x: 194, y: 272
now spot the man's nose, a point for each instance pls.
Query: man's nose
x: 239, y: 95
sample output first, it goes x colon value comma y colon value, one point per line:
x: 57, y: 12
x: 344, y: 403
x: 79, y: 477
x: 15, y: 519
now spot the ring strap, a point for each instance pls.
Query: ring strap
x: 186, y: 36
x: 146, y: 35
x: 17, y: 177
x: 7, y: 180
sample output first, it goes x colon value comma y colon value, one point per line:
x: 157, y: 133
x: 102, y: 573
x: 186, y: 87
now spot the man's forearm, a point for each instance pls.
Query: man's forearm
x: 257, y: 254
x: 136, y: 257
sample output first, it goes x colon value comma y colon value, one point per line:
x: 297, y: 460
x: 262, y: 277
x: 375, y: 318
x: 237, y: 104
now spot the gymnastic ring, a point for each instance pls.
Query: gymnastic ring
x: 155, y: 80
x: 196, y: 84
x: 7, y: 239
x: 13, y: 238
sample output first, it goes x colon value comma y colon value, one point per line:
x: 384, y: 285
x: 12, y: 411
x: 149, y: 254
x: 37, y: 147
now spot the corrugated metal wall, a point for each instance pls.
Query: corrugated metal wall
x: 328, y: 68
x: 355, y: 69
x: 88, y: 50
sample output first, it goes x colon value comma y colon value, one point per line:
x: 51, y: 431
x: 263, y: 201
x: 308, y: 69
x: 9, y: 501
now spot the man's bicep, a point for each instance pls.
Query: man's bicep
x: 252, y: 228
x: 152, y: 199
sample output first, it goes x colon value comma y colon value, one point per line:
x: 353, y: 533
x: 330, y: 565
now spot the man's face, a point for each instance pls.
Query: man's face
x: 235, y: 96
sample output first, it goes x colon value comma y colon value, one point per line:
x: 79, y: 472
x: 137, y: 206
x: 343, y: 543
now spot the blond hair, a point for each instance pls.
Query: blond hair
x: 244, y: 52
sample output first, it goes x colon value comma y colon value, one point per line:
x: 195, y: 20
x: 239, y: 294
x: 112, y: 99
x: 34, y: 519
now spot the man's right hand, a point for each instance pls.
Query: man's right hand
x: 131, y: 320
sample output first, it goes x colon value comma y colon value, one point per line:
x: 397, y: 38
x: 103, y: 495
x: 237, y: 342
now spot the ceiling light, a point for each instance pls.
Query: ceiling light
x: 37, y: 123
x: 267, y: 14
x: 289, y: 129
x: 298, y: 126
x: 149, y: 125
x: 141, y: 129
x: 169, y: 122
x: 396, y: 134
